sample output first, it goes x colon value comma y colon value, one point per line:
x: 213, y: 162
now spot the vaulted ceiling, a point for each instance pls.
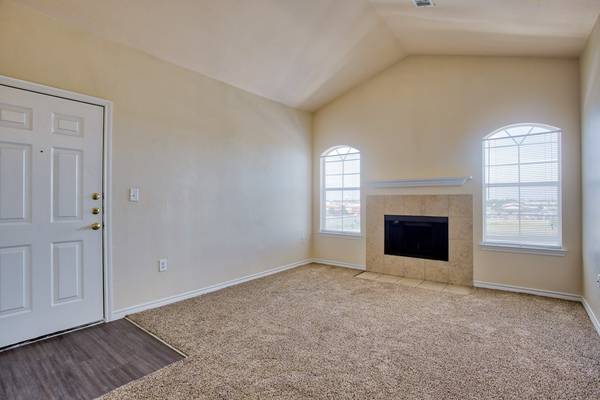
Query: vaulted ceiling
x: 304, y: 53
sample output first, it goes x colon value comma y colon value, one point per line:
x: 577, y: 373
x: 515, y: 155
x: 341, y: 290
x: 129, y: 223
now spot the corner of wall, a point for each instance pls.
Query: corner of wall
x: 590, y: 146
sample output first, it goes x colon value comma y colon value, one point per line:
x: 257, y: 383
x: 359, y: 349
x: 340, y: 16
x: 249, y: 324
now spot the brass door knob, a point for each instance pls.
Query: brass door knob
x: 96, y: 211
x: 96, y: 196
x: 95, y: 226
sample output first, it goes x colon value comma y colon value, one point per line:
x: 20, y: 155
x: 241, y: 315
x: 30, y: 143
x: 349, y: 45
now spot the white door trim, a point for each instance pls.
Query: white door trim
x: 106, y: 173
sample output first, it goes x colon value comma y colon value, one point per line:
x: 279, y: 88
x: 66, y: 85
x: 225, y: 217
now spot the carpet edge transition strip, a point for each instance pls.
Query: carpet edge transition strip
x: 175, y: 349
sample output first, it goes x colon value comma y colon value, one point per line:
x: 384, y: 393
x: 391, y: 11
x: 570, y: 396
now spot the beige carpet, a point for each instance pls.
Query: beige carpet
x: 317, y: 332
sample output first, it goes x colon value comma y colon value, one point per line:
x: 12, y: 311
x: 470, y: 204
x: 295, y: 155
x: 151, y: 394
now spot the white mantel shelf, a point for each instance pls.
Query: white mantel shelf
x: 422, y: 182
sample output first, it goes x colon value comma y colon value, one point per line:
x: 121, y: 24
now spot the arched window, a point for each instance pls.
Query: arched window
x: 340, y: 190
x: 522, y: 186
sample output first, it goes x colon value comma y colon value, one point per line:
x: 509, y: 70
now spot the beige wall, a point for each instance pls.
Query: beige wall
x: 220, y: 169
x: 590, y: 107
x: 425, y: 118
x: 224, y: 175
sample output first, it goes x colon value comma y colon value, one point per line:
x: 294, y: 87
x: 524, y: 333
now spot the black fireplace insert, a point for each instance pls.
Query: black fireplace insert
x: 417, y: 237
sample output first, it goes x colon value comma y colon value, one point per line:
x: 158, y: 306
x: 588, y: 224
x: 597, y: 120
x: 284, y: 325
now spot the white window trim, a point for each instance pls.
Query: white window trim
x: 322, y: 231
x: 349, y: 235
x: 516, y: 248
x: 510, y: 247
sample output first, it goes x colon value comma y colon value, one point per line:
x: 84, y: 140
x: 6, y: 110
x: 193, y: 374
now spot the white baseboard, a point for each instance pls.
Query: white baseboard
x: 342, y: 264
x: 118, y: 314
x: 593, y: 318
x: 121, y: 313
x: 545, y: 293
x: 519, y: 289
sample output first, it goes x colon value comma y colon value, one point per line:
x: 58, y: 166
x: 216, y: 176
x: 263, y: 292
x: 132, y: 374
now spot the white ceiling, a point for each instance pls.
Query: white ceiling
x: 304, y: 53
x: 491, y: 27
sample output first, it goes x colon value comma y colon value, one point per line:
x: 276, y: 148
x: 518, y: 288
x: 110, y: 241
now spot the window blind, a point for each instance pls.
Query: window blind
x: 522, y: 186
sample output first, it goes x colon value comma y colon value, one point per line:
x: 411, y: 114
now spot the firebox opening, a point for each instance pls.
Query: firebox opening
x: 417, y: 237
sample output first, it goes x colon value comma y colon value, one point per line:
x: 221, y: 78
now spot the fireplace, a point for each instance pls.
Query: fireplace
x: 416, y: 236
x: 451, y: 262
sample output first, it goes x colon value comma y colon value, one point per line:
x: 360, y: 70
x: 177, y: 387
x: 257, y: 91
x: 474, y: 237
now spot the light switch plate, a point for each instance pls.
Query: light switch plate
x: 134, y: 194
x: 163, y: 265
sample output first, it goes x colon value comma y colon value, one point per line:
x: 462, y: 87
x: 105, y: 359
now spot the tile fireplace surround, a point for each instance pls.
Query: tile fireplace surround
x: 459, y: 210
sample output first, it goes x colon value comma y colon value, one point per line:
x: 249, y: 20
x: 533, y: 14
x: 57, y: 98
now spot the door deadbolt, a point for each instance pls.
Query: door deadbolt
x: 96, y: 196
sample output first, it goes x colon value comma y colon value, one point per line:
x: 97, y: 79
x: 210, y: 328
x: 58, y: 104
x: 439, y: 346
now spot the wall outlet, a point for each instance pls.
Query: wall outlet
x: 598, y: 280
x: 163, y: 265
x: 134, y: 194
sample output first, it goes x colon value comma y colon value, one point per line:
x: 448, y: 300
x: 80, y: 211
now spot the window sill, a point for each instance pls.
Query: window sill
x: 343, y: 235
x: 546, y: 251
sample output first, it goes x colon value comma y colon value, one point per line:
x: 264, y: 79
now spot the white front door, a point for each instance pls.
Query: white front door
x: 51, y: 276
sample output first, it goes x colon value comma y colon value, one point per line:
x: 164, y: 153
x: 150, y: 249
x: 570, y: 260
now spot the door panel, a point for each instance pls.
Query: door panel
x: 67, y: 179
x: 13, y: 116
x: 70, y: 125
x: 67, y: 271
x: 15, y: 280
x: 14, y: 186
x: 51, y: 276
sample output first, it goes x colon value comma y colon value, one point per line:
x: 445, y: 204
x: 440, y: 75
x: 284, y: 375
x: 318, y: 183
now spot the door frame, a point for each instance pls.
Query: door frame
x: 106, y: 174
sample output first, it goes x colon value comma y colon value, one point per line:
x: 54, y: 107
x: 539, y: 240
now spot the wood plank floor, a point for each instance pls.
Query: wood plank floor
x: 83, y: 364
